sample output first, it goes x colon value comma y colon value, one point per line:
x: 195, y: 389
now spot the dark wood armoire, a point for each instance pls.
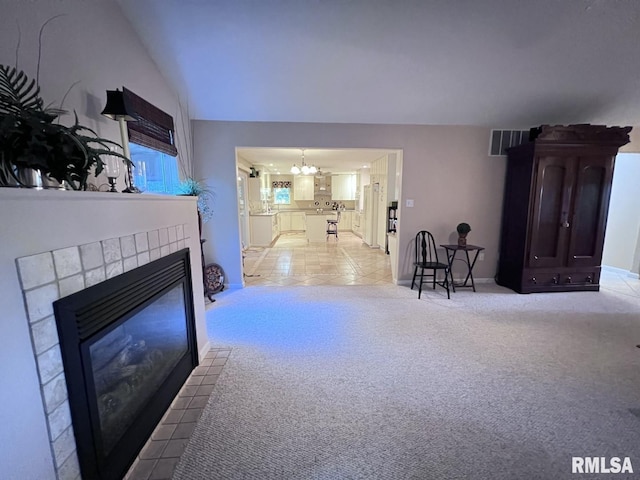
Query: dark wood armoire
x: 555, y: 208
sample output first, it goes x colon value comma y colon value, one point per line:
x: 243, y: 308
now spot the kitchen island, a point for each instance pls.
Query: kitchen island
x: 264, y: 228
x: 317, y: 226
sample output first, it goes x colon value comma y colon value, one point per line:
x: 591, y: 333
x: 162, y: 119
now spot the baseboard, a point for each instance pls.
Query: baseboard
x: 620, y: 271
x: 484, y: 280
x: 407, y: 282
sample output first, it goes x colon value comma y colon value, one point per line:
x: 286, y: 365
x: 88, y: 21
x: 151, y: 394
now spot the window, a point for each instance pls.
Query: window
x: 282, y: 196
x: 154, y: 171
x: 152, y: 145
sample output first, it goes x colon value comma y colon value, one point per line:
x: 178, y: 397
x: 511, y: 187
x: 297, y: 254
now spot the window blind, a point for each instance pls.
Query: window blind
x: 154, y: 128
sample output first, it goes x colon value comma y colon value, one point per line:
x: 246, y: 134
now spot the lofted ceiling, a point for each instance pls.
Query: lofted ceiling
x: 499, y: 63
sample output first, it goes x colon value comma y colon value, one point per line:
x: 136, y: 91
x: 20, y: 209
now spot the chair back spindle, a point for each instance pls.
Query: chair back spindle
x: 425, y: 248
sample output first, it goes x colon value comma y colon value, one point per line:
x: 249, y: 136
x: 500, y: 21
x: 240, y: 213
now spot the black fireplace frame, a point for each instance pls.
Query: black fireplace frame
x: 88, y: 315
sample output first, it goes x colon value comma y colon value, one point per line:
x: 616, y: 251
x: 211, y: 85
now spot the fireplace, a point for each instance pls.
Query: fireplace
x: 128, y: 345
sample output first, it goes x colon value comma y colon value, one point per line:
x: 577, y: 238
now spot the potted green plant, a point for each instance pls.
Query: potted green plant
x: 196, y: 188
x: 463, y: 229
x: 31, y: 139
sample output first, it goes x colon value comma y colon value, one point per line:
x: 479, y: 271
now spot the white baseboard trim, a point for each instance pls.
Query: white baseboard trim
x: 407, y: 282
x: 620, y: 271
x: 484, y: 280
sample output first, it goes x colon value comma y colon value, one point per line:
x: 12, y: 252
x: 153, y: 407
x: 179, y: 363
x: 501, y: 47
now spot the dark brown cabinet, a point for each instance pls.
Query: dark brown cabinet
x: 555, y: 208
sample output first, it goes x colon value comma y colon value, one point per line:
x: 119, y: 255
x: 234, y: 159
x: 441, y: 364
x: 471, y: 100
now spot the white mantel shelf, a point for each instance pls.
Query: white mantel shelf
x: 65, y: 195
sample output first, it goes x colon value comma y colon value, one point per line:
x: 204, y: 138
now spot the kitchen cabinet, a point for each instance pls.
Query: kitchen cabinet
x: 284, y: 221
x: 264, y: 229
x: 317, y: 226
x: 275, y: 228
x: 298, y: 221
x: 254, y: 189
x: 356, y: 223
x: 346, y: 221
x: 291, y: 221
x: 555, y: 208
x: 303, y: 188
x: 343, y: 187
x: 265, y: 181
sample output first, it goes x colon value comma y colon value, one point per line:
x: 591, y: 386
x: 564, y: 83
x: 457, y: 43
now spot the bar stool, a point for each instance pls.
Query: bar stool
x: 332, y: 227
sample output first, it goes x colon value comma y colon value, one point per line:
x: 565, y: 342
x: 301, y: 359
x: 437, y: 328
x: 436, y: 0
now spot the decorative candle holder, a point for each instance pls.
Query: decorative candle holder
x: 112, y: 169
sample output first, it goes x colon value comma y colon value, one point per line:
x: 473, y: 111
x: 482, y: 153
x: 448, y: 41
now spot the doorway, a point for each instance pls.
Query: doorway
x: 286, y: 256
x: 622, y: 237
x: 243, y: 209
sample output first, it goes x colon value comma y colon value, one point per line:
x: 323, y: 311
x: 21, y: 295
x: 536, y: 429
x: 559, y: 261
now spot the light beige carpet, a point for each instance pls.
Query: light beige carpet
x: 370, y: 382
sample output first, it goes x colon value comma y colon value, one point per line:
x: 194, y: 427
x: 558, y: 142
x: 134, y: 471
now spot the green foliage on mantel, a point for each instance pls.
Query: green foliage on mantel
x: 32, y: 138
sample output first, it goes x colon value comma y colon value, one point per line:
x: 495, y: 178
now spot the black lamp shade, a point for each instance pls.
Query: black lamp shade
x: 118, y: 106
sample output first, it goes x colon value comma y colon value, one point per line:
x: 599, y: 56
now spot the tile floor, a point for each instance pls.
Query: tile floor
x: 158, y: 458
x: 619, y: 282
x: 294, y: 261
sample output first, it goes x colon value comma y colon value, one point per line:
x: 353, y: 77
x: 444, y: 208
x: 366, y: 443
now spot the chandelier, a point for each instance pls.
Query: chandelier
x: 304, y: 168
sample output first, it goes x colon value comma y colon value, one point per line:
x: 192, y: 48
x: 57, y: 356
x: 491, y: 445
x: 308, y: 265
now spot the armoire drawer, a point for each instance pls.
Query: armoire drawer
x: 559, y: 278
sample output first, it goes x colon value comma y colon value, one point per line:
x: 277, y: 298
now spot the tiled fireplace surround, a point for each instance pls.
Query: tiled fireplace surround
x: 54, y: 243
x: 48, y: 276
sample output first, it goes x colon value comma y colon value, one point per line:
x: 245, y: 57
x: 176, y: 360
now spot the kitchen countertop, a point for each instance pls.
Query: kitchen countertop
x: 308, y: 211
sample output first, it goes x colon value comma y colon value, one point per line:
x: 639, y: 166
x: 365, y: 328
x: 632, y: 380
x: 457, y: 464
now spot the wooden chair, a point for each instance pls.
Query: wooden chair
x: 426, y: 258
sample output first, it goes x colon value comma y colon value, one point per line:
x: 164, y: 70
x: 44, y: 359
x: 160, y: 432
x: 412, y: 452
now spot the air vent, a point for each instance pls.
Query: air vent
x: 503, y: 139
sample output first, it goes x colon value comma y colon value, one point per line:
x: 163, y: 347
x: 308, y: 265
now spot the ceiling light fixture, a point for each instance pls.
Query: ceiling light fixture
x: 304, y: 169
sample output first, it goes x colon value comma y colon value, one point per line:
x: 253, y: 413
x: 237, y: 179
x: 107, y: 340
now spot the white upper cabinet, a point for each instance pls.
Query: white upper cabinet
x: 254, y: 189
x: 302, y: 188
x: 343, y: 187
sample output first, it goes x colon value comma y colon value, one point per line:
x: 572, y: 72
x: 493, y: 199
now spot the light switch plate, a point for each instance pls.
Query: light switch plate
x: 409, y: 202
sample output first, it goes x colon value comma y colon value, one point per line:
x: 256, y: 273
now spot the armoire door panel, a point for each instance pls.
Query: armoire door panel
x: 548, y: 245
x: 590, y: 207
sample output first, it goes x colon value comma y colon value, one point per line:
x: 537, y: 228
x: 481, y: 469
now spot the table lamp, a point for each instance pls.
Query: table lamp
x: 118, y: 108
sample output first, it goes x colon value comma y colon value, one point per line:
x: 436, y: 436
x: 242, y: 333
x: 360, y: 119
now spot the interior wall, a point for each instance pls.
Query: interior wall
x: 93, y: 44
x: 635, y: 265
x: 446, y: 171
x: 623, y: 222
x: 634, y: 147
